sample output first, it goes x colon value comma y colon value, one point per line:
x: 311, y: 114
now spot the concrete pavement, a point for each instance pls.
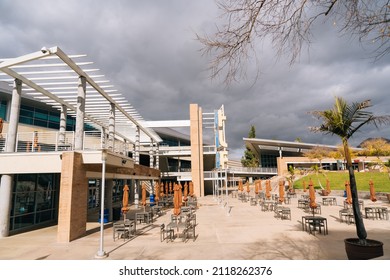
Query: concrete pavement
x: 230, y: 230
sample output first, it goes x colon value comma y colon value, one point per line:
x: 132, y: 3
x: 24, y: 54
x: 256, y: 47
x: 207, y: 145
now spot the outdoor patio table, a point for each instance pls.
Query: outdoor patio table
x: 267, y: 206
x: 124, y: 229
x: 361, y: 205
x: 179, y: 228
x: 303, y: 203
x: 145, y: 217
x: 329, y: 200
x: 376, y: 213
x: 315, y: 221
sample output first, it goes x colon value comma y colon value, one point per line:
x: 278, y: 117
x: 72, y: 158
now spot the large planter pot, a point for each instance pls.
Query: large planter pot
x: 355, y: 251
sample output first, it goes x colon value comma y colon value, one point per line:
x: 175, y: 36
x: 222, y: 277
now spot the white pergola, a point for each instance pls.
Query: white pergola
x: 53, y: 77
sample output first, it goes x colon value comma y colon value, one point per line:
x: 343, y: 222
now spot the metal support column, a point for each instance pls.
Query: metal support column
x: 111, y: 128
x: 63, y: 116
x: 80, y: 113
x: 7, y: 180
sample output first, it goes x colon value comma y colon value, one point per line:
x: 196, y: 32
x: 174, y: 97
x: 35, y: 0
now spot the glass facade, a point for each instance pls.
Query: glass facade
x: 34, y: 200
x: 94, y: 192
x: 268, y: 161
x: 47, y: 118
x: 44, y: 118
x: 3, y: 109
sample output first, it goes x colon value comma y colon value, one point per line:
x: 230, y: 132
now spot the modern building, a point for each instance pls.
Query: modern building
x: 69, y: 142
x: 279, y: 155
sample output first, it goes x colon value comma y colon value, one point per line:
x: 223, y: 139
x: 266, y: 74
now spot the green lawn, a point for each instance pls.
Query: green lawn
x: 337, y: 180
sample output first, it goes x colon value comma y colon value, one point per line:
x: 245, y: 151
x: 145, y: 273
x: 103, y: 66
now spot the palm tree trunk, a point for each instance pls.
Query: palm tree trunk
x: 360, y: 229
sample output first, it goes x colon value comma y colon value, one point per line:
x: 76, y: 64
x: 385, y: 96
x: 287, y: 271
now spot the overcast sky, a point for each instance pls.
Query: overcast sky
x: 149, y: 52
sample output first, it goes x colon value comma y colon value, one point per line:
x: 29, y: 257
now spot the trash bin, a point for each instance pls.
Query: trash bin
x: 116, y: 213
x: 106, y: 216
x: 151, y: 200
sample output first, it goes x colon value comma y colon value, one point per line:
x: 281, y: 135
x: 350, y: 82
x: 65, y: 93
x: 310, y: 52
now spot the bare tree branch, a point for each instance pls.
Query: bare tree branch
x: 288, y: 23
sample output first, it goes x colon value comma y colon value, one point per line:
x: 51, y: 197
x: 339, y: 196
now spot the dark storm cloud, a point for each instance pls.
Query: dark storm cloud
x: 149, y: 52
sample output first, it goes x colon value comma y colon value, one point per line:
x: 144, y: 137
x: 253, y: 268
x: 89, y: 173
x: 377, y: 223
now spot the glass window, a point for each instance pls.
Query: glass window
x: 3, y: 109
x: 35, y: 200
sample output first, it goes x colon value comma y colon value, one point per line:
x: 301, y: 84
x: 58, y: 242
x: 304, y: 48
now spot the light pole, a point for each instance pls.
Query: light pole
x: 101, y: 253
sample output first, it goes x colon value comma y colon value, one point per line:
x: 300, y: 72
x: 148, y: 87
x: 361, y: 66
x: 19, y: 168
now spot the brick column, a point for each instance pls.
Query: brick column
x: 72, y: 213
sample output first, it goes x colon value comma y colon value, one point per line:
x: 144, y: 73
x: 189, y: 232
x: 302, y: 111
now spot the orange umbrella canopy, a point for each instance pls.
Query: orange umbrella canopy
x: 166, y: 188
x: 281, y: 191
x: 260, y: 187
x: 125, y: 199
x: 143, y: 195
x: 176, y: 200
x: 312, y: 195
x: 268, y: 189
x: 328, y: 186
x: 256, y: 186
x: 170, y: 187
x: 240, y: 187
x: 349, y: 194
x: 162, y: 189
x: 304, y: 186
x: 372, y: 191
x: 247, y: 187
x: 185, y: 192
x: 191, y: 189
x: 157, y: 191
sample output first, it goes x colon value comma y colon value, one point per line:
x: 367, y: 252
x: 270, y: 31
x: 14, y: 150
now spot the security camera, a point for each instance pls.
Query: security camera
x: 44, y: 50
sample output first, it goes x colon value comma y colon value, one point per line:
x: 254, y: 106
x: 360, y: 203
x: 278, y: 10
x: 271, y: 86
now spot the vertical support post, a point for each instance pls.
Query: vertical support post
x: 157, y: 156
x: 151, y: 154
x: 101, y: 253
x: 111, y: 128
x: 80, y: 113
x: 7, y: 180
x: 137, y: 145
x: 63, y: 116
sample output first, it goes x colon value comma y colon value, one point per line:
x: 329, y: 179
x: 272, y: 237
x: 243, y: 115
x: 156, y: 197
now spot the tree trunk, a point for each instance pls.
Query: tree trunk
x: 360, y: 229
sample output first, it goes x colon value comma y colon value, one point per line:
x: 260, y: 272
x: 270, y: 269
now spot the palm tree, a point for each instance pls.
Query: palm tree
x: 344, y: 120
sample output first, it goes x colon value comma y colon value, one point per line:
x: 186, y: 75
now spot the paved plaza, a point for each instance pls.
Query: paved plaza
x: 227, y: 230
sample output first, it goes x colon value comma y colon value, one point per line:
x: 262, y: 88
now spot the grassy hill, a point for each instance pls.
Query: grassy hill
x: 337, y: 180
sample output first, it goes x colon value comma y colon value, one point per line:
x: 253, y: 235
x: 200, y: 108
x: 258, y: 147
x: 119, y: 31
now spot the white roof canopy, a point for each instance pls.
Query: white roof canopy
x: 52, y: 77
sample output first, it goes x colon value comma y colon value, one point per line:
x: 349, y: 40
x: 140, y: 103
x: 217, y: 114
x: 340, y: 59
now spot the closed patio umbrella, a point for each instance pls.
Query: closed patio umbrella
x: 143, y: 195
x: 162, y: 189
x: 176, y: 200
x: 170, y: 187
x: 1, y: 126
x: 304, y: 186
x: 312, y: 196
x: 348, y: 200
x: 247, y: 187
x: 191, y: 189
x: 125, y: 200
x: 281, y: 191
x: 268, y: 189
x: 157, y: 191
x: 257, y: 187
x: 166, y: 188
x: 240, y: 187
x: 260, y: 187
x: 185, y: 193
x: 372, y: 191
x: 328, y: 186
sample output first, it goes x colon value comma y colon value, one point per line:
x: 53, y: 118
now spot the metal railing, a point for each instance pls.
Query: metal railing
x: 37, y: 141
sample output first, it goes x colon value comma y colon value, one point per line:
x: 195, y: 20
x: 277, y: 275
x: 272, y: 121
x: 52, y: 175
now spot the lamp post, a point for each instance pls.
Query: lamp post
x: 101, y: 253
